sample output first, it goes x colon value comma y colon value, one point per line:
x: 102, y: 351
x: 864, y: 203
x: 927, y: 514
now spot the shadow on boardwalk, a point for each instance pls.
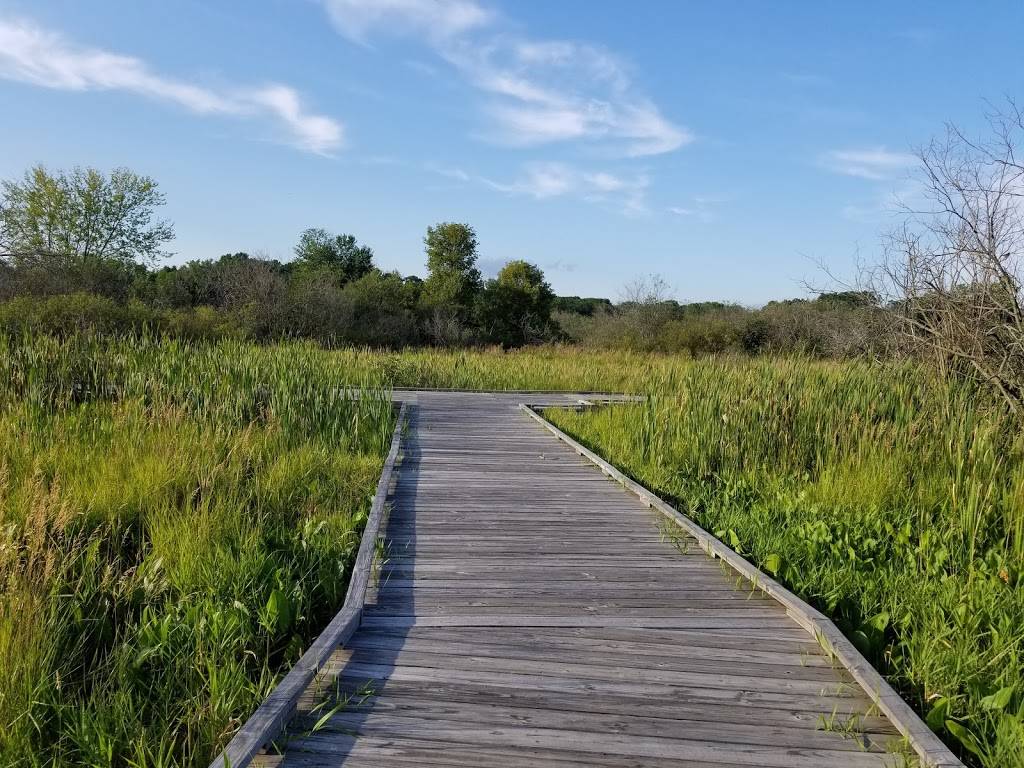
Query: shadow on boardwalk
x: 352, y: 682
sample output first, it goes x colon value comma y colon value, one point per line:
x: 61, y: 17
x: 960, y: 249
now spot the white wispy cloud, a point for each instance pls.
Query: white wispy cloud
x: 449, y: 172
x: 560, y: 265
x: 541, y: 181
x: 700, y: 208
x: 42, y: 57
x: 536, y: 91
x: 436, y: 19
x: 549, y: 180
x: 875, y: 163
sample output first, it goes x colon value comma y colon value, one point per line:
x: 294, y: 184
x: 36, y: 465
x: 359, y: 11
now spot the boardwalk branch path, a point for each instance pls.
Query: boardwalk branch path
x: 532, y: 613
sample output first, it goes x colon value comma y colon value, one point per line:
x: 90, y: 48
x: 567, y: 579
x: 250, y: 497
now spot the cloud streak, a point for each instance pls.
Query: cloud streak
x: 874, y: 163
x: 700, y: 208
x: 535, y: 92
x: 551, y: 180
x: 41, y: 57
x: 436, y: 19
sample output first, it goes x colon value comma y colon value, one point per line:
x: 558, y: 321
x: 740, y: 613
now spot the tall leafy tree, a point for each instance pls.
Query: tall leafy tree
x: 82, y: 215
x: 453, y: 281
x: 515, y: 308
x: 340, y: 255
x: 81, y: 229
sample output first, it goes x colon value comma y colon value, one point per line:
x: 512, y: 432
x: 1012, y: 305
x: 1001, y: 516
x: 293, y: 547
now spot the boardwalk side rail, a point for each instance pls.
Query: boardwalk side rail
x: 929, y: 747
x: 267, y: 722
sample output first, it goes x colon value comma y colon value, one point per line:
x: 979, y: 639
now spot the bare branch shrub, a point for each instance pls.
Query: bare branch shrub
x: 445, y: 329
x: 254, y: 292
x: 953, y: 268
x: 645, y: 309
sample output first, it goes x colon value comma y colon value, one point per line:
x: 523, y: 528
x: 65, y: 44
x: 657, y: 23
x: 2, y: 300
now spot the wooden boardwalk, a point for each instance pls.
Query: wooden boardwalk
x: 532, y: 613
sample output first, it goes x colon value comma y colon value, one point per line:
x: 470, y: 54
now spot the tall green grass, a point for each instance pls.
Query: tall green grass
x: 552, y: 367
x: 891, y: 501
x: 177, y: 521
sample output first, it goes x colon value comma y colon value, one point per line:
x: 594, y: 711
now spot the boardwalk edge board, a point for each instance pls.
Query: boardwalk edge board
x: 270, y: 718
x: 929, y: 748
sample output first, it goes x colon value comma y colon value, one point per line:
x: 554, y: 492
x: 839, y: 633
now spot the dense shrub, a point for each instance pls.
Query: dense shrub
x: 72, y: 313
x: 823, y: 327
x: 77, y: 312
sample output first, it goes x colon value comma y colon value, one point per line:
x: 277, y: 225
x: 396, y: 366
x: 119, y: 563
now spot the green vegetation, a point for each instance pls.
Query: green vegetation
x: 80, y: 229
x: 453, y: 282
x: 892, y: 501
x: 177, y: 521
x: 79, y: 250
x: 179, y: 517
x: 831, y: 325
x: 337, y: 257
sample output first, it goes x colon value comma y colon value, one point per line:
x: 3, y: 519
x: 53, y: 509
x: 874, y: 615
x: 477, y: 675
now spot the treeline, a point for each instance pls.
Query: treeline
x: 842, y: 324
x: 331, y: 292
x: 81, y: 250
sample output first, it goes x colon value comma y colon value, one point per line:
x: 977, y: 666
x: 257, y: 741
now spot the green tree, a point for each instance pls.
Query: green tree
x: 382, y: 313
x: 413, y: 290
x: 453, y: 282
x: 587, y: 307
x: 81, y: 228
x: 515, y: 308
x: 81, y: 215
x: 339, y: 255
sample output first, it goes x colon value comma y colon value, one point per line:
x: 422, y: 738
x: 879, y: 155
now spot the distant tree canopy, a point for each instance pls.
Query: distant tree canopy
x: 77, y: 249
x: 252, y: 289
x: 850, y: 299
x: 453, y: 280
x: 81, y: 215
x: 516, y: 306
x: 581, y: 306
x: 81, y: 228
x: 336, y: 255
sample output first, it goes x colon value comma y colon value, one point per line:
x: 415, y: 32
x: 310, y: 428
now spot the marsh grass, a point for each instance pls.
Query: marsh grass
x: 176, y: 523
x: 178, y: 519
x: 891, y: 501
x: 552, y: 367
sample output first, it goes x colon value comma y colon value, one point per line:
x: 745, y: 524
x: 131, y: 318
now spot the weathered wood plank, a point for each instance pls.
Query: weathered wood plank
x: 769, y: 682
x: 397, y: 694
x: 438, y: 716
x: 621, y: 658
x: 369, y: 751
x: 788, y: 641
x: 625, y: 746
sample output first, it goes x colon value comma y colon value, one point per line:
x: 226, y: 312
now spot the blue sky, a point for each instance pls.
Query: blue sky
x: 728, y: 146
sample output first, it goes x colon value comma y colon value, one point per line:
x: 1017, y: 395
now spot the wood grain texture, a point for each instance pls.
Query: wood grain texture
x: 531, y: 612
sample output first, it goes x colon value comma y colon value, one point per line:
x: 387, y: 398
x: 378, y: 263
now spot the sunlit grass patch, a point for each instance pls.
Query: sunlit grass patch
x: 178, y: 521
